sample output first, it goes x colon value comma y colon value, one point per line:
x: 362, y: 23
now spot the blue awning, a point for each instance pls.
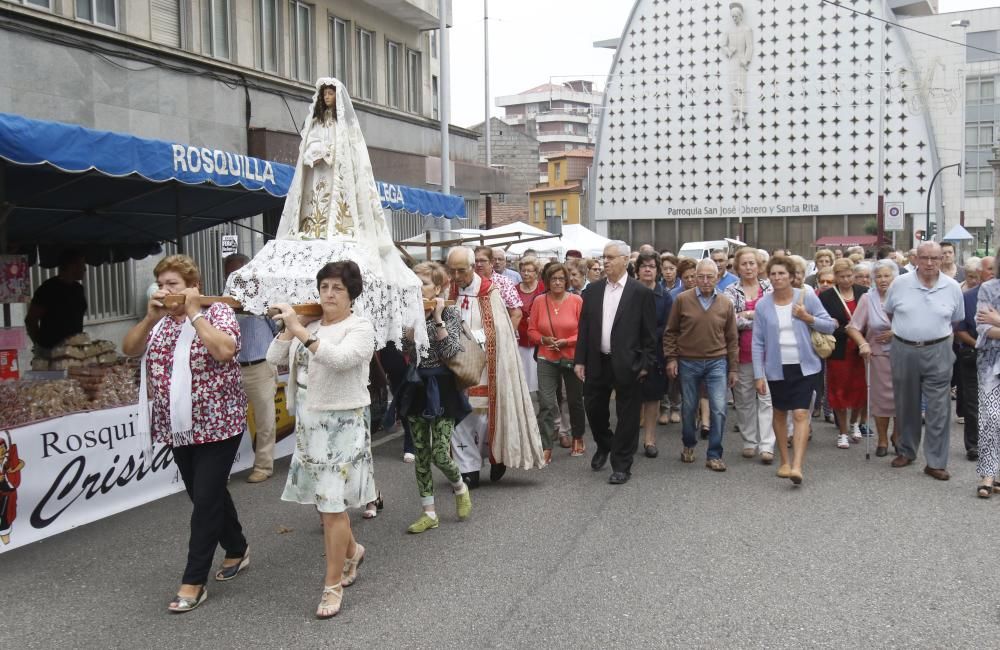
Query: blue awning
x: 425, y: 202
x: 118, y: 196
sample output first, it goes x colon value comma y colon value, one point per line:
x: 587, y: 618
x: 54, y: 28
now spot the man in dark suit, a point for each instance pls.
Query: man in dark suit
x: 615, y: 349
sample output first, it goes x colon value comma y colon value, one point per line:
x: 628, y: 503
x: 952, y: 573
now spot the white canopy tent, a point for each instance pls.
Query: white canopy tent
x: 574, y: 237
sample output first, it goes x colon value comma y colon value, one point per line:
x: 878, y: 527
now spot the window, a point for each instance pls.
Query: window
x: 414, y: 82
x: 432, y: 37
x: 339, y: 31
x: 981, y: 114
x: 165, y: 22
x: 366, y: 63
x: 985, y: 41
x: 41, y: 4
x: 267, y: 35
x: 393, y: 53
x: 99, y: 12
x: 300, y: 40
x: 435, y: 100
x: 558, y: 170
x: 501, y: 198
x: 550, y: 209
x: 538, y: 214
x: 565, y: 209
x: 215, y: 29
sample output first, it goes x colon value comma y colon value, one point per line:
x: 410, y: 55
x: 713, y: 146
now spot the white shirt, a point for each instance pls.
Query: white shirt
x: 786, y: 335
x: 920, y: 313
x: 612, y: 296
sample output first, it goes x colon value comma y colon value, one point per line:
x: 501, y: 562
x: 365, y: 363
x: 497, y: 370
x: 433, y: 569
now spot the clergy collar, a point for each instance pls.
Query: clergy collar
x: 474, y: 286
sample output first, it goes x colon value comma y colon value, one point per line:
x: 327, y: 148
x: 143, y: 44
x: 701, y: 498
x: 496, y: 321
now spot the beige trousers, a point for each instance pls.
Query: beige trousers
x: 260, y: 384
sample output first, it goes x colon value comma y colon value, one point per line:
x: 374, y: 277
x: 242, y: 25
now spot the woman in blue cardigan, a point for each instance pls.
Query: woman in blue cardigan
x: 784, y: 361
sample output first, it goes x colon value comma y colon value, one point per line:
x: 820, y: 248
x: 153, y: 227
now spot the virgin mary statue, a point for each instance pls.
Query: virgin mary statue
x: 333, y: 213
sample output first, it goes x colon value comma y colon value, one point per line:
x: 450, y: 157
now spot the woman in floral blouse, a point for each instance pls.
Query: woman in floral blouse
x: 331, y: 467
x: 199, y: 410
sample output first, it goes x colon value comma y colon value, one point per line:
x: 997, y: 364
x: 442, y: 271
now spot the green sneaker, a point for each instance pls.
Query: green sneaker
x: 463, y: 504
x: 423, y: 524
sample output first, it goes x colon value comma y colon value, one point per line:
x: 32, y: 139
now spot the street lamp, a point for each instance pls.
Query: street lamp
x: 930, y: 191
x: 964, y: 24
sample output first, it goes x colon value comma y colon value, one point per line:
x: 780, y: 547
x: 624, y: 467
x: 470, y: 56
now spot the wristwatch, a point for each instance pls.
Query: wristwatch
x: 309, y: 341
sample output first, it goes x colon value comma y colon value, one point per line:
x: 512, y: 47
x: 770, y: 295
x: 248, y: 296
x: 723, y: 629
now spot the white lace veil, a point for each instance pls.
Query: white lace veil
x: 353, y: 165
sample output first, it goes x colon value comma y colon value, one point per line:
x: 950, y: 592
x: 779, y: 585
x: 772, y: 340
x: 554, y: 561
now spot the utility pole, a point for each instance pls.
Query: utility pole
x: 445, y: 98
x: 487, y: 126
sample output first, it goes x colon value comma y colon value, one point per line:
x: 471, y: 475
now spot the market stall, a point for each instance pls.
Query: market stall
x: 70, y: 433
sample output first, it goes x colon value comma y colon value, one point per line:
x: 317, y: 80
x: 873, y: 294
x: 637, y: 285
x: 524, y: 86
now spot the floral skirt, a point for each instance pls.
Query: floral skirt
x: 332, y: 464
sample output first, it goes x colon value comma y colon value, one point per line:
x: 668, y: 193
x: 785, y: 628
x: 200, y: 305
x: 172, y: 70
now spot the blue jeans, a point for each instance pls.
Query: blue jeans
x: 711, y: 373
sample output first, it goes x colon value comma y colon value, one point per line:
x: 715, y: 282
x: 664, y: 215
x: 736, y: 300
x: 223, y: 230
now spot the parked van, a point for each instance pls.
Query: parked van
x: 701, y: 249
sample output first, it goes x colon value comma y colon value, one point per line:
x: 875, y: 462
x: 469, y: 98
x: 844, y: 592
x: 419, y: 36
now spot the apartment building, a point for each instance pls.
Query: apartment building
x: 562, y: 116
x: 563, y: 198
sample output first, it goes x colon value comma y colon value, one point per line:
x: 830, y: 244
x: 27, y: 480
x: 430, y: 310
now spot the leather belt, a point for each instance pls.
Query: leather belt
x: 921, y: 344
x: 247, y: 364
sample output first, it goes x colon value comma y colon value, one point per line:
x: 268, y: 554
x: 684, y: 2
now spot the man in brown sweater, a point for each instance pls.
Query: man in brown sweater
x: 701, y: 346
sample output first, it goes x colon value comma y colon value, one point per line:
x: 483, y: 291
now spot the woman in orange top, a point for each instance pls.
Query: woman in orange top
x: 553, y: 327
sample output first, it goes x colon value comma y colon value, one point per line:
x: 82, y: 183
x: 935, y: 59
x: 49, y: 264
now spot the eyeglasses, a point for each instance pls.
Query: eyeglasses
x: 557, y: 279
x: 929, y: 258
x: 705, y: 277
x: 648, y: 267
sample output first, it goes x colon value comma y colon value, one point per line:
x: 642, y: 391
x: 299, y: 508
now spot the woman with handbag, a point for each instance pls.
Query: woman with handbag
x: 785, y: 363
x: 654, y: 386
x: 553, y: 326
x: 846, y: 390
x: 432, y: 402
x: 527, y: 290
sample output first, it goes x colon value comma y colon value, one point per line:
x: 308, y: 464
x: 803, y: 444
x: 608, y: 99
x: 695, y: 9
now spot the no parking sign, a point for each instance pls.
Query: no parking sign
x: 894, y: 216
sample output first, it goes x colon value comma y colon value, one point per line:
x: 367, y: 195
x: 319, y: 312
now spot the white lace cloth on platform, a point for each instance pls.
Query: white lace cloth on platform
x: 285, y: 271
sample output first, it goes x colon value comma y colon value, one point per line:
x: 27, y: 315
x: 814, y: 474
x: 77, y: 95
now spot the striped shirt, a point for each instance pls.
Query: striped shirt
x: 256, y: 334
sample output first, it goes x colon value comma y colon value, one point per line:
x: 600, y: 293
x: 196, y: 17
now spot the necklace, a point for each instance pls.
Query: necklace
x: 557, y: 305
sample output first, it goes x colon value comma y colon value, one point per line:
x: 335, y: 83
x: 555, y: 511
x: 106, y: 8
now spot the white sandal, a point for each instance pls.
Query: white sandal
x: 330, y: 602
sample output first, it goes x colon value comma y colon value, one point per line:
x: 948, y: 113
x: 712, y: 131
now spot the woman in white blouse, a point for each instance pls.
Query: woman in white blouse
x: 331, y: 468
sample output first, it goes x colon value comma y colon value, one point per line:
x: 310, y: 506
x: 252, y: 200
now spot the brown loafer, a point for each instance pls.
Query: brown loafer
x: 901, y: 461
x: 939, y: 474
x: 687, y: 455
x: 564, y: 441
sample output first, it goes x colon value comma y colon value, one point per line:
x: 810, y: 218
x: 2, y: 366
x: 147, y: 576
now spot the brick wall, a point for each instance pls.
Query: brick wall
x: 518, y: 154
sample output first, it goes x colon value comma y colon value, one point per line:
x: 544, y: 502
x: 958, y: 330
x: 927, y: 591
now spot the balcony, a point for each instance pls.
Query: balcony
x: 563, y: 116
x: 422, y: 14
x: 564, y: 137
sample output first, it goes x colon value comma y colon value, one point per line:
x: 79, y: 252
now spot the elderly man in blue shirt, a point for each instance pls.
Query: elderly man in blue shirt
x: 965, y: 333
x: 259, y: 379
x: 923, y: 307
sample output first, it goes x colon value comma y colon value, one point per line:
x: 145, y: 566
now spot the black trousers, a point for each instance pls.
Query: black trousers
x: 970, y: 395
x: 214, y: 522
x: 394, y: 364
x: 623, y: 442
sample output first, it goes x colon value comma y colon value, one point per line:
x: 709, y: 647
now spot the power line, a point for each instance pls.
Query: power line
x: 911, y: 29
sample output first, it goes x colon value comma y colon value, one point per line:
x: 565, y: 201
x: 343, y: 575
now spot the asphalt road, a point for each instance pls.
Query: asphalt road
x: 862, y: 555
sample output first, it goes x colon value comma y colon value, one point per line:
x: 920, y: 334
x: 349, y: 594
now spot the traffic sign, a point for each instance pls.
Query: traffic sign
x: 895, y: 216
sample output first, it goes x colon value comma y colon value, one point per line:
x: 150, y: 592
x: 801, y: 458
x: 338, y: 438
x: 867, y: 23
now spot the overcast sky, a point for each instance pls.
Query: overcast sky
x: 533, y: 42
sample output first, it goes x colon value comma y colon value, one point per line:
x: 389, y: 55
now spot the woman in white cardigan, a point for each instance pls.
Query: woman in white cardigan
x: 331, y: 468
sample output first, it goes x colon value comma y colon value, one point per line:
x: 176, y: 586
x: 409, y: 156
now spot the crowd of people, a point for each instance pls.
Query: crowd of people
x: 893, y: 339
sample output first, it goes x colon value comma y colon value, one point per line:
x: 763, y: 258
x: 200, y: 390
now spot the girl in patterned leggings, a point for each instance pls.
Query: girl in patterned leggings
x: 432, y: 402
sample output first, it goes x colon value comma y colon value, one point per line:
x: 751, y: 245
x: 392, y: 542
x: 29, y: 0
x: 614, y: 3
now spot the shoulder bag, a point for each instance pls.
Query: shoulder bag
x: 468, y: 364
x: 823, y: 344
